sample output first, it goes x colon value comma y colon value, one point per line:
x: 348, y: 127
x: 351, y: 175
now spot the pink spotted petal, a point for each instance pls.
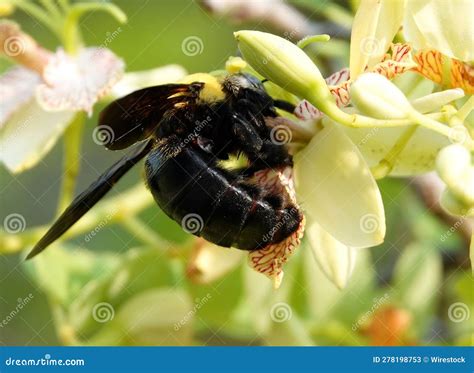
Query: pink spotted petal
x: 78, y: 82
x: 270, y: 260
x: 338, y: 77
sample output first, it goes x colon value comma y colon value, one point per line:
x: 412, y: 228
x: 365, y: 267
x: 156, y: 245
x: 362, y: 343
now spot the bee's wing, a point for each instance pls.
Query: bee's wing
x: 134, y: 117
x: 84, y: 201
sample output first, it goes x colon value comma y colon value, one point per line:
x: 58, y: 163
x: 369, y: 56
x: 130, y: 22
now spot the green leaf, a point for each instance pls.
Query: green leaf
x: 62, y: 273
x: 156, y: 317
x: 417, y: 278
x: 138, y: 271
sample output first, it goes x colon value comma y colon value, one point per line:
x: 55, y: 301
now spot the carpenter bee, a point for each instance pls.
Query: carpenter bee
x: 185, y: 131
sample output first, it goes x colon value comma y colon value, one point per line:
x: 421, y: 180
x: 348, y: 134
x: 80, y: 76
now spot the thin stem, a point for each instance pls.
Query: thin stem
x: 447, y: 131
x: 385, y: 166
x: 51, y: 7
x: 141, y: 231
x: 303, y: 43
x: 330, y: 108
x: 71, y: 163
x: 38, y: 13
x: 466, y: 109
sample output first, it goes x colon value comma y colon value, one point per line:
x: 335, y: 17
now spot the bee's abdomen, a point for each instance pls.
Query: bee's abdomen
x: 216, y: 204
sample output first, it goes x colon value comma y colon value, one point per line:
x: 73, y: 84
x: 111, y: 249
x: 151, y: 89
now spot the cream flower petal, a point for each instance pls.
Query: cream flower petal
x: 442, y: 25
x: 17, y: 86
x: 336, y: 188
x: 29, y: 134
x: 78, y: 82
x: 147, y: 78
x: 335, y: 259
x: 417, y: 157
x: 210, y: 262
x: 375, y: 25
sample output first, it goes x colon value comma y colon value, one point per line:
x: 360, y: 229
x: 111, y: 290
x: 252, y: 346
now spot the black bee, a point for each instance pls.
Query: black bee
x: 185, y: 132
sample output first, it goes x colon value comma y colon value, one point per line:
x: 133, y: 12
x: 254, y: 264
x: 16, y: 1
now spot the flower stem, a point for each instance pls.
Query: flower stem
x: 71, y: 163
x: 330, y: 108
x: 303, y: 43
x: 52, y: 9
x: 141, y: 231
x: 385, y: 166
x: 466, y: 109
x: 38, y: 13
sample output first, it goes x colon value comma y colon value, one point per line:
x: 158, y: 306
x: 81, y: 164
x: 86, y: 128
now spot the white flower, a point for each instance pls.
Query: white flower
x: 438, y: 24
x: 40, y: 100
x: 427, y: 24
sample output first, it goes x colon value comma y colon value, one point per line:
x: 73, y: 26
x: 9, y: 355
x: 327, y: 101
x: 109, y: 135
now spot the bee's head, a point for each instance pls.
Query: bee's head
x: 246, y: 86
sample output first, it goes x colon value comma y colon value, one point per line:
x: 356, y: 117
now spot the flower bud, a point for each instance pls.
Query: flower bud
x: 283, y: 63
x: 454, y: 168
x: 454, y: 206
x: 375, y: 96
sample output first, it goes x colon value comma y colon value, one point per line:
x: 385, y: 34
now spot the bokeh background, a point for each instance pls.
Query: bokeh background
x: 401, y: 293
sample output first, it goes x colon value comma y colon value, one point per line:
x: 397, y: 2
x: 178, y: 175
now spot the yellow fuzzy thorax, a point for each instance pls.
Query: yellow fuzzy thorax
x: 212, y: 90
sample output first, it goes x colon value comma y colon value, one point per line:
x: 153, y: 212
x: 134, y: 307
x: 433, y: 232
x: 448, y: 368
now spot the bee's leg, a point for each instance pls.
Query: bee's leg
x: 284, y: 105
x: 246, y: 135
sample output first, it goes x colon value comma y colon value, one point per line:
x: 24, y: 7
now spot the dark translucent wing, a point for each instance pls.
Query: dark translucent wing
x: 134, y: 117
x: 84, y: 201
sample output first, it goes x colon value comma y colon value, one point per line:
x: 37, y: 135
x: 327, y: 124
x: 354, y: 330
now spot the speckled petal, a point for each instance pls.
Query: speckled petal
x: 78, y: 82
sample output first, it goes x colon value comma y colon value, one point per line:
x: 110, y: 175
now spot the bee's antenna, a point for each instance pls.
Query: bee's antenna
x: 264, y: 81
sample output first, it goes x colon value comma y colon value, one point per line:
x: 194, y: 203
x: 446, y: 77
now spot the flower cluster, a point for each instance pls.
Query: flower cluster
x: 376, y: 119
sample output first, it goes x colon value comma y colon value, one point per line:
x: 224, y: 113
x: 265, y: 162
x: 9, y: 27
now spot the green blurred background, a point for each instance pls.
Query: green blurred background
x: 405, y: 285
